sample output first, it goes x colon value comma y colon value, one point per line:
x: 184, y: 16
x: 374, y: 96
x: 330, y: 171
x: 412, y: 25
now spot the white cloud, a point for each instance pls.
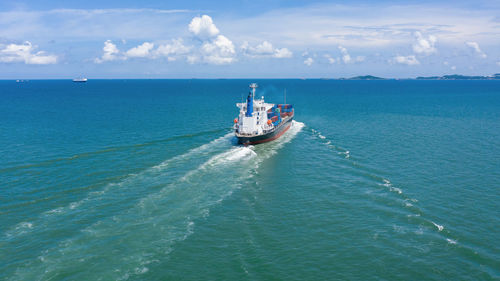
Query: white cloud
x: 282, y: 53
x: 498, y: 63
x: 216, y: 48
x: 308, y: 61
x: 219, y: 51
x: 176, y: 48
x: 111, y: 52
x: 330, y: 59
x: 453, y: 67
x: 424, y: 46
x: 144, y: 50
x: 140, y: 51
x: 203, y: 27
x: 25, y: 53
x: 265, y: 49
x: 477, y: 50
x: 346, y: 58
x: 409, y: 60
x: 212, y: 49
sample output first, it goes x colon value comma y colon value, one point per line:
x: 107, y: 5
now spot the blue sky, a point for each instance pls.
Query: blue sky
x: 247, y: 39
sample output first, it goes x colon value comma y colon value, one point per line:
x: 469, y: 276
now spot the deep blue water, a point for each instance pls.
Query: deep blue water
x: 142, y: 180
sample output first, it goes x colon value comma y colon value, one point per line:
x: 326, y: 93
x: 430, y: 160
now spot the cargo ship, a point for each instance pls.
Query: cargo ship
x: 260, y: 122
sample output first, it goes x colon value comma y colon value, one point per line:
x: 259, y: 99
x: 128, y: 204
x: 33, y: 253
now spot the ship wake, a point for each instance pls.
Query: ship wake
x: 173, y: 197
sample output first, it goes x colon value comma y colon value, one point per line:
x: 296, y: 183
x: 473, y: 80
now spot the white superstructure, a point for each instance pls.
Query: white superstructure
x: 253, y: 122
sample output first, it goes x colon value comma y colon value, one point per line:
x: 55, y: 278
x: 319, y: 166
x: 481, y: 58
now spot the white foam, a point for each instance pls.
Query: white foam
x: 75, y: 205
x: 451, y: 241
x: 25, y: 225
x: 199, y: 149
x: 439, y: 227
x: 413, y: 215
x: 54, y: 211
x: 189, y: 230
x: 230, y: 156
x: 321, y: 137
x: 240, y: 153
x: 20, y: 229
x: 141, y: 270
x: 395, y: 189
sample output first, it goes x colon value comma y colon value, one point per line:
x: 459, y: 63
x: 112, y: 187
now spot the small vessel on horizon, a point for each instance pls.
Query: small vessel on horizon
x: 80, y: 79
x: 260, y: 122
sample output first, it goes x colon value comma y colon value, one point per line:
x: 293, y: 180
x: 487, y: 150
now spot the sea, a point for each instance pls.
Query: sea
x: 144, y: 180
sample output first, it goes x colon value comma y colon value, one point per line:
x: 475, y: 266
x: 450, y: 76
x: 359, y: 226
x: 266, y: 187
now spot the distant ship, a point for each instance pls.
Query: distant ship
x: 80, y: 80
x: 260, y: 122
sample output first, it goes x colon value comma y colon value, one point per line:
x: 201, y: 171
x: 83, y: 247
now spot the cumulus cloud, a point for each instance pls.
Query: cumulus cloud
x: 330, y: 59
x: 309, y: 61
x: 141, y: 51
x: 25, y: 53
x: 282, y: 53
x: 215, y: 48
x: 172, y: 50
x: 424, y: 46
x: 218, y: 51
x: 111, y: 52
x: 346, y: 58
x: 477, y: 50
x: 409, y: 60
x: 265, y: 49
x: 145, y: 50
x: 203, y: 27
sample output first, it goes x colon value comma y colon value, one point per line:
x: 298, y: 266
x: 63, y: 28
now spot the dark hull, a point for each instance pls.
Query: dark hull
x: 280, y: 130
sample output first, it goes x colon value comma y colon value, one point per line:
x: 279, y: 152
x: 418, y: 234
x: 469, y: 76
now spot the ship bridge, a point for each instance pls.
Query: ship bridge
x: 253, y: 114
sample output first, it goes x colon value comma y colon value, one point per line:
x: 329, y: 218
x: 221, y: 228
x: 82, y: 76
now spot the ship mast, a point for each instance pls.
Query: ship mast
x: 253, y: 86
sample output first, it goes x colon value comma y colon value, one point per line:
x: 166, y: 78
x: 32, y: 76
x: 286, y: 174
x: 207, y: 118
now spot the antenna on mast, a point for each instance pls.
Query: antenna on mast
x: 253, y: 86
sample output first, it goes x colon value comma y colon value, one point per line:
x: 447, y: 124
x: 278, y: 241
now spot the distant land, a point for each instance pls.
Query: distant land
x: 461, y: 77
x: 444, y: 77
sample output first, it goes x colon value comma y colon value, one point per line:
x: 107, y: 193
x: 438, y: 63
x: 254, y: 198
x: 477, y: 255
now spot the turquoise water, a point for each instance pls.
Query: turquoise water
x: 142, y: 180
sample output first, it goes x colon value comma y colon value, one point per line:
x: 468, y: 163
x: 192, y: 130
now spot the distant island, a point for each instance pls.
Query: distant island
x: 366, y: 77
x: 444, y: 77
x: 461, y: 77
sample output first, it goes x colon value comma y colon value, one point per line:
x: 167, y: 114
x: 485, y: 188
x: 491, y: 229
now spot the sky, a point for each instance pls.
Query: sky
x: 247, y: 39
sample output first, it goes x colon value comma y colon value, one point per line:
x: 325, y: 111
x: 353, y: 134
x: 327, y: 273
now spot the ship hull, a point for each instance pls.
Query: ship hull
x: 266, y: 137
